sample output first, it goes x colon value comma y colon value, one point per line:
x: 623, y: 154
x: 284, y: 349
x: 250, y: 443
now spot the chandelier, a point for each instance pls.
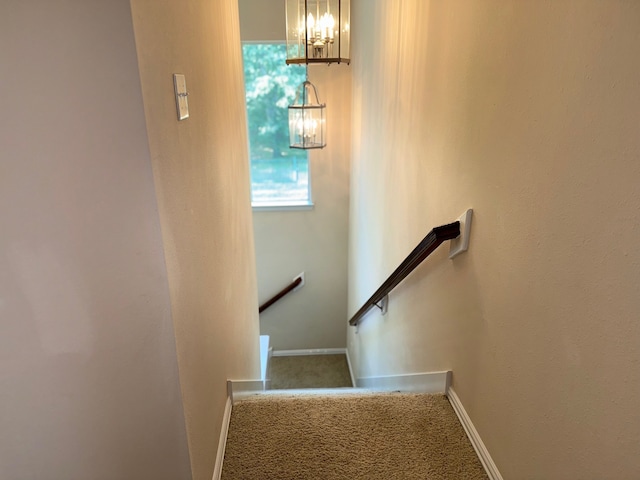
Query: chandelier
x: 318, y: 31
x: 307, y: 120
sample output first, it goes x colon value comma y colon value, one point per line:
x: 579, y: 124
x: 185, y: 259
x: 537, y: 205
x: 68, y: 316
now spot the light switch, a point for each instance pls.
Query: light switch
x: 180, y: 86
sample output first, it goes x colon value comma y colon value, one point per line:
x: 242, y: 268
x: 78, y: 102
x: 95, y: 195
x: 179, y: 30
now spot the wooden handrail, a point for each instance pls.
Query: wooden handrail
x: 297, y: 281
x: 428, y: 244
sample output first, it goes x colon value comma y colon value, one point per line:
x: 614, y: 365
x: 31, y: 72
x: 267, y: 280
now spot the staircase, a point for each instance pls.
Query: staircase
x: 347, y: 434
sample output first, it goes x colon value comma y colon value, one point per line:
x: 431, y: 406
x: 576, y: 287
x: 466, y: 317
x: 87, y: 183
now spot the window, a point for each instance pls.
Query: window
x: 279, y: 175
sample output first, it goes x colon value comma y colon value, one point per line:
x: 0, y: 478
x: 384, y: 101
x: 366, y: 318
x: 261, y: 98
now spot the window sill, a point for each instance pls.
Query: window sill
x: 281, y: 208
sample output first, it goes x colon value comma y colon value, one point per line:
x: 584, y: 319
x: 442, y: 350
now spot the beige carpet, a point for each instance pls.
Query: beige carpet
x: 309, y: 371
x: 365, y: 436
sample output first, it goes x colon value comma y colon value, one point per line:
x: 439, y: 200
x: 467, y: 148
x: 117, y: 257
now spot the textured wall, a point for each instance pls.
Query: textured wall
x: 262, y: 20
x: 88, y: 372
x: 202, y: 180
x: 528, y: 112
x: 314, y: 241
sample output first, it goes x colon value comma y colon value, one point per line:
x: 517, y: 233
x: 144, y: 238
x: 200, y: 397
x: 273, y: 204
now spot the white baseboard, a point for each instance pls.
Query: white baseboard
x: 314, y: 351
x: 264, y: 358
x: 353, y: 377
x: 237, y: 389
x: 222, y: 442
x: 474, y: 436
x: 267, y: 380
x: 427, y: 382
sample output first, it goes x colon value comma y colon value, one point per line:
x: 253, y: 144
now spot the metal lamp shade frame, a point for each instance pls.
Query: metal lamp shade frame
x: 318, y: 31
x: 307, y: 121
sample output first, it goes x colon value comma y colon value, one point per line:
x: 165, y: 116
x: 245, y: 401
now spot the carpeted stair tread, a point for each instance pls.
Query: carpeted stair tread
x: 309, y: 371
x: 367, y: 436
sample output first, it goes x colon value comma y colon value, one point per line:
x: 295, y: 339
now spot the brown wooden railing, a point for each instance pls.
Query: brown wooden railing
x: 289, y: 288
x: 432, y: 241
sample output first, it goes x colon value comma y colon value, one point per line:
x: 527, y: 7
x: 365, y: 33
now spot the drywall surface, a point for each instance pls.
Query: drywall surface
x: 88, y: 372
x: 262, y: 20
x: 529, y: 113
x: 311, y: 241
x: 201, y: 175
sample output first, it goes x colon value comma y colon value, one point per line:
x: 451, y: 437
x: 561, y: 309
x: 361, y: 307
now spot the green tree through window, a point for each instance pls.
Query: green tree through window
x: 279, y: 175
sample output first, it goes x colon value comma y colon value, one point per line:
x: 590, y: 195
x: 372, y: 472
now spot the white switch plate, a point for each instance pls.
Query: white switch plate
x: 180, y: 86
x: 461, y: 244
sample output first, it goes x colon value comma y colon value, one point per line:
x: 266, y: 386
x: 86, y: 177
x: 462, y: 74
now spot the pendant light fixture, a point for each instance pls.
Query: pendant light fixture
x: 318, y: 31
x: 307, y: 119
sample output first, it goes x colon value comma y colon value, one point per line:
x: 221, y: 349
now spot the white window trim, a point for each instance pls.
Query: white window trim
x: 282, y: 208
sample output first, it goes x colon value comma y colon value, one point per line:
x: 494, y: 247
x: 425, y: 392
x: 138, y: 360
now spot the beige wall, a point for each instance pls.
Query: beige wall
x: 311, y: 241
x: 88, y: 372
x: 202, y: 180
x: 262, y: 20
x: 528, y: 112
